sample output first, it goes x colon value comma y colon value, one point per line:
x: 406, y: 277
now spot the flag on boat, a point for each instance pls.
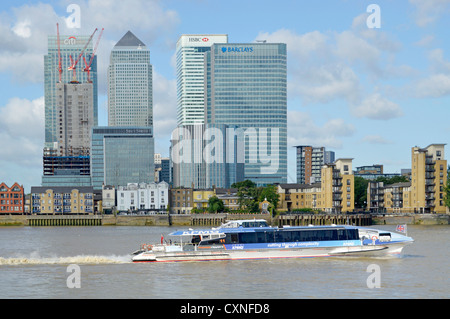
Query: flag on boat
x: 401, y: 228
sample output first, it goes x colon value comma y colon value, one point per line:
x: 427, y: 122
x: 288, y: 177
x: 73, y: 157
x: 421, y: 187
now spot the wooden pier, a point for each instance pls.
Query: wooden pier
x: 65, y: 220
x: 206, y: 220
x: 337, y: 219
x: 285, y: 220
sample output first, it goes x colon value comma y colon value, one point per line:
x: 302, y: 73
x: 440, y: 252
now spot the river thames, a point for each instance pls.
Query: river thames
x: 35, y: 264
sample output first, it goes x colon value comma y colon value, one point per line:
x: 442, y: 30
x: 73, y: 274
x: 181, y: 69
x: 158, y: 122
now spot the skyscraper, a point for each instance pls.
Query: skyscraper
x: 70, y: 111
x: 206, y: 156
x: 130, y: 81
x: 190, y: 53
x: 69, y: 46
x: 75, y: 111
x: 246, y: 86
x: 122, y: 155
x: 310, y: 161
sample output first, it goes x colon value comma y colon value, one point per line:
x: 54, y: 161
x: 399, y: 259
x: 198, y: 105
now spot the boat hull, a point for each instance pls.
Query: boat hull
x: 245, y: 254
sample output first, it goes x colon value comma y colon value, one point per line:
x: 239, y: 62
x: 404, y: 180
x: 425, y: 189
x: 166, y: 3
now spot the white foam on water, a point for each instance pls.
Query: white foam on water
x: 81, y: 259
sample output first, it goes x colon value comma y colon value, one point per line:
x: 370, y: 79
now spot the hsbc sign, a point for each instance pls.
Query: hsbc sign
x: 199, y: 39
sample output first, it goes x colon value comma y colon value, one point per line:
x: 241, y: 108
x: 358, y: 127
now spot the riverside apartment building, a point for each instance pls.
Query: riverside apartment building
x: 423, y: 194
x: 334, y: 194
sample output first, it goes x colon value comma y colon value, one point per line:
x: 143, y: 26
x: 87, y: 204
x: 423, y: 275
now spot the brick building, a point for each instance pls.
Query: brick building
x: 12, y: 199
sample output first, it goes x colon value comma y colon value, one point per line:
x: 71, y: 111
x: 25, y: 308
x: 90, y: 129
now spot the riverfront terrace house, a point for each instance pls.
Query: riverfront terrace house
x: 62, y: 200
x: 12, y: 199
x: 143, y: 196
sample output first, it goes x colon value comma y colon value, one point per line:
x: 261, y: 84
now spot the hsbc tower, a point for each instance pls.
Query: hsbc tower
x: 190, y: 68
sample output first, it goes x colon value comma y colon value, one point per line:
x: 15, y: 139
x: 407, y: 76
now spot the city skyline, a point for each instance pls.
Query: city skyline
x: 362, y: 92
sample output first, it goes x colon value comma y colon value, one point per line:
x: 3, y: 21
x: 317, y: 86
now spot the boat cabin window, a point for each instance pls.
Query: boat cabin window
x: 385, y: 237
x: 246, y: 224
x: 256, y: 223
x: 209, y: 239
x: 294, y: 235
x: 233, y: 238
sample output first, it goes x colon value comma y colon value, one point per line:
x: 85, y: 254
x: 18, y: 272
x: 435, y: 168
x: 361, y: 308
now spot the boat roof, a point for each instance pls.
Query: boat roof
x: 223, y: 230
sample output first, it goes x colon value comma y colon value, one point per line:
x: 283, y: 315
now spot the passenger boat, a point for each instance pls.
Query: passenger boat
x: 255, y: 239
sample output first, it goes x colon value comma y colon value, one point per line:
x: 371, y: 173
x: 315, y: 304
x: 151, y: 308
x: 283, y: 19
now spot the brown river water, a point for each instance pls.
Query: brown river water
x: 35, y: 264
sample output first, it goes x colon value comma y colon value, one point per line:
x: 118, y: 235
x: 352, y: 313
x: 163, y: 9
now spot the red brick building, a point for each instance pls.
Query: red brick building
x: 12, y: 199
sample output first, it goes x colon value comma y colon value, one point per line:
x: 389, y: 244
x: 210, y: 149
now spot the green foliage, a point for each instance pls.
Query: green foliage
x: 244, y: 184
x: 250, y: 196
x: 360, y: 192
x: 447, y: 189
x: 361, y: 187
x: 196, y: 211
x: 270, y: 193
x: 392, y: 180
x: 215, y: 205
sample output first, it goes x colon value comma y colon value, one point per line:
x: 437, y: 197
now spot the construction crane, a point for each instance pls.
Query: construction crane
x: 59, y: 53
x: 74, y: 64
x: 88, y: 65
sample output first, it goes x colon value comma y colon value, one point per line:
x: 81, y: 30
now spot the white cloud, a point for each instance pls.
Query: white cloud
x: 24, y: 32
x: 437, y: 82
x: 429, y: 11
x: 435, y: 85
x: 377, y: 107
x: 304, y: 46
x: 437, y: 61
x: 425, y: 41
x: 22, y: 131
x: 165, y: 105
x: 22, y: 29
x: 324, y: 67
x: 375, y: 139
x: 118, y: 16
x: 357, y: 50
x: 302, y: 130
x: 326, y: 83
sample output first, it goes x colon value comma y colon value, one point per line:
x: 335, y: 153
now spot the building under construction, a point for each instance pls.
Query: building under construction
x: 71, y: 109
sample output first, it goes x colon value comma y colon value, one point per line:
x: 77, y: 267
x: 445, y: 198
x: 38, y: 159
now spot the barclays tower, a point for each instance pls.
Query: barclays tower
x: 246, y: 86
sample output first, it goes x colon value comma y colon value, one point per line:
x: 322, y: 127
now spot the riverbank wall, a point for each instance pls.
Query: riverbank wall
x: 218, y: 219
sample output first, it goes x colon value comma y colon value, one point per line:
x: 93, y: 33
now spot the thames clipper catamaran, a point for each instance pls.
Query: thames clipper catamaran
x: 255, y: 239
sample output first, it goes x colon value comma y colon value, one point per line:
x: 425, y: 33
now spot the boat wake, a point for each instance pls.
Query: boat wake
x: 79, y: 260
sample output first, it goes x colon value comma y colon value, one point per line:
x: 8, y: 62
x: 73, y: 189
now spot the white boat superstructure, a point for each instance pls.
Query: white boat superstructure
x: 254, y: 239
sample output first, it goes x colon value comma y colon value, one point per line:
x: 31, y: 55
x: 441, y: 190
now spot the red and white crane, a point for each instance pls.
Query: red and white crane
x: 88, y: 65
x: 74, y: 64
x: 59, y: 53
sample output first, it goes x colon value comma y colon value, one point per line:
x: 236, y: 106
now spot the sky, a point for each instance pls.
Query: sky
x: 368, y: 84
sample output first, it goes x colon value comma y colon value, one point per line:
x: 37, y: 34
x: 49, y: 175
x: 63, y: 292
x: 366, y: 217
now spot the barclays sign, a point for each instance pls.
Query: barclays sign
x: 237, y: 49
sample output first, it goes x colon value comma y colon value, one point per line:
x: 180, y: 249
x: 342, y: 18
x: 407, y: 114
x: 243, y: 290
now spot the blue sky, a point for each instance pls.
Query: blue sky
x: 366, y: 93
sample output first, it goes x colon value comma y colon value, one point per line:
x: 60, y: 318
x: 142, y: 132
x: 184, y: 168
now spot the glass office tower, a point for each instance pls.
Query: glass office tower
x: 206, y: 156
x: 246, y: 86
x: 130, y: 84
x: 122, y: 155
x: 69, y: 46
x: 190, y: 75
